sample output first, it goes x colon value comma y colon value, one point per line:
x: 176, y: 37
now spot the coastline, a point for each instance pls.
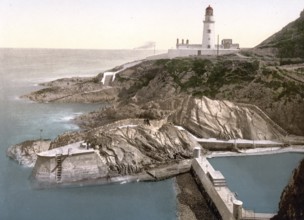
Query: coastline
x: 156, y: 174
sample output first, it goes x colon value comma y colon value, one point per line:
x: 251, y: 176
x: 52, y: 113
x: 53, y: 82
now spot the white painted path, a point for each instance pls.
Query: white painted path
x: 113, y: 74
x: 231, y: 141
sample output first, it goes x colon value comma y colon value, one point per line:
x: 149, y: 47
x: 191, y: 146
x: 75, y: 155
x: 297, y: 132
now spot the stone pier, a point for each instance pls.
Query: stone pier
x: 225, y: 201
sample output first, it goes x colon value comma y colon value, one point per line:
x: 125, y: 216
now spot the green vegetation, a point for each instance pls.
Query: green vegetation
x: 289, y: 42
x: 47, y: 90
x: 217, y: 78
x: 204, y: 77
x: 121, y: 79
x: 291, y: 89
x: 289, y: 61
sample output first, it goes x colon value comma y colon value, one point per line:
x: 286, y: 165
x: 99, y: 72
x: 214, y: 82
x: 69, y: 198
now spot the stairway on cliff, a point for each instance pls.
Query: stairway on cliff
x: 108, y: 80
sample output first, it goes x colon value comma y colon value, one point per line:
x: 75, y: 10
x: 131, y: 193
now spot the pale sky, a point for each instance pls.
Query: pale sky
x: 127, y: 24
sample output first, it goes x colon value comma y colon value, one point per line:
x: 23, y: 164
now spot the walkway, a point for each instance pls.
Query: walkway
x: 110, y: 76
x: 231, y: 141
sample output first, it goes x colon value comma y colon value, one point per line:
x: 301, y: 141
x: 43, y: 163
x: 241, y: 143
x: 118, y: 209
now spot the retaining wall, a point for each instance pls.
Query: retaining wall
x: 75, y: 167
x: 172, y: 53
x: 224, y: 211
x: 218, y: 146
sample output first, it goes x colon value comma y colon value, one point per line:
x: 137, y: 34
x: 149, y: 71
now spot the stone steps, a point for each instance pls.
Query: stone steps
x: 219, y: 182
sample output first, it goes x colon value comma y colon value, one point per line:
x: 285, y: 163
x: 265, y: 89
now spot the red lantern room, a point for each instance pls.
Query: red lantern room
x: 209, y: 11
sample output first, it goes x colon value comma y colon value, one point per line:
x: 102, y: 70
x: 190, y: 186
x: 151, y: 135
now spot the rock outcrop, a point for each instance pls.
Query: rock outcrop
x: 292, y: 199
x: 136, y: 145
x: 137, y: 132
x: 129, y: 150
x: 140, y: 145
x: 144, y: 87
x: 225, y: 120
x: 25, y: 153
x: 203, y: 117
x: 74, y: 90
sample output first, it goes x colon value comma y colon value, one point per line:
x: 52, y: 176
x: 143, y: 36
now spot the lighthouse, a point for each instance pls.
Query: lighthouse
x: 208, y: 46
x: 208, y: 32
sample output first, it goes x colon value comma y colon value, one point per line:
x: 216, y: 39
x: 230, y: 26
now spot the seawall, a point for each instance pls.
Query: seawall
x: 201, y: 167
x: 44, y: 173
x: 72, y: 168
x: 213, y: 184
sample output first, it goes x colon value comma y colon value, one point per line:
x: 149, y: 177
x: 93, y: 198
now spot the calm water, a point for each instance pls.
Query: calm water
x: 20, y: 70
x: 258, y: 180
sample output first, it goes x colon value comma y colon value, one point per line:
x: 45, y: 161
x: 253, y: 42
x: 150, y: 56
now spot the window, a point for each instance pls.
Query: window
x: 209, y: 46
x: 209, y: 31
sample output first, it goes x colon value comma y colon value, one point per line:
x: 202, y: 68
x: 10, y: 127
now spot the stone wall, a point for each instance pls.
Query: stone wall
x: 211, y: 191
x: 74, y: 168
x: 172, y: 53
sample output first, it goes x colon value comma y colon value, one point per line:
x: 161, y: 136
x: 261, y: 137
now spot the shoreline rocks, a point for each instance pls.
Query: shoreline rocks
x: 25, y: 153
x: 291, y: 204
x: 138, y: 143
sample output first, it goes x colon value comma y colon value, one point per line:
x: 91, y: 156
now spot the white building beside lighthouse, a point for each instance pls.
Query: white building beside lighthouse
x: 208, y: 45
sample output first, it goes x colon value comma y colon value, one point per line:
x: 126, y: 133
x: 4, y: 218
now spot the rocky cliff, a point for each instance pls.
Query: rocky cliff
x: 133, y: 145
x: 79, y: 90
x: 140, y: 145
x: 292, y: 199
x: 147, y: 90
x: 25, y: 153
x: 225, y: 97
x: 140, y: 142
x: 223, y: 119
x: 287, y: 43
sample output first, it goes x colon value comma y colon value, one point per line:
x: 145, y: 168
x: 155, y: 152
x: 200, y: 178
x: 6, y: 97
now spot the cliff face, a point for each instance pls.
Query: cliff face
x: 139, y: 90
x: 224, y: 120
x: 136, y: 145
x: 140, y: 145
x: 130, y: 149
x: 292, y: 199
x: 151, y: 85
x: 204, y: 117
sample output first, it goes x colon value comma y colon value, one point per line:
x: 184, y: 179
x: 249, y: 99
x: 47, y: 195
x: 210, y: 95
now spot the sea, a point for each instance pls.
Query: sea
x: 21, y: 71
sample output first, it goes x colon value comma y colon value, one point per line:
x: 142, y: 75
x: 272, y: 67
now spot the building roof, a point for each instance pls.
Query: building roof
x: 209, y: 8
x: 209, y: 11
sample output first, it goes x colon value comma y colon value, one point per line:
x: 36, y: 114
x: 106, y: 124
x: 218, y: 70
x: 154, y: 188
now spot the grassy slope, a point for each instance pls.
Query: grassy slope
x: 227, y: 78
x: 289, y: 42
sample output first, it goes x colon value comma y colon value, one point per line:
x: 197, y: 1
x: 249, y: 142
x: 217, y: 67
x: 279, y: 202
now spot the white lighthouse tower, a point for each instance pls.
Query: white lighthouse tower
x: 208, y: 34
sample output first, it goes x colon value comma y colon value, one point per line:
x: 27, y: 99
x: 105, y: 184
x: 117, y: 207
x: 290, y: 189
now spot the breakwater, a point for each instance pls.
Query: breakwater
x: 223, y: 198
